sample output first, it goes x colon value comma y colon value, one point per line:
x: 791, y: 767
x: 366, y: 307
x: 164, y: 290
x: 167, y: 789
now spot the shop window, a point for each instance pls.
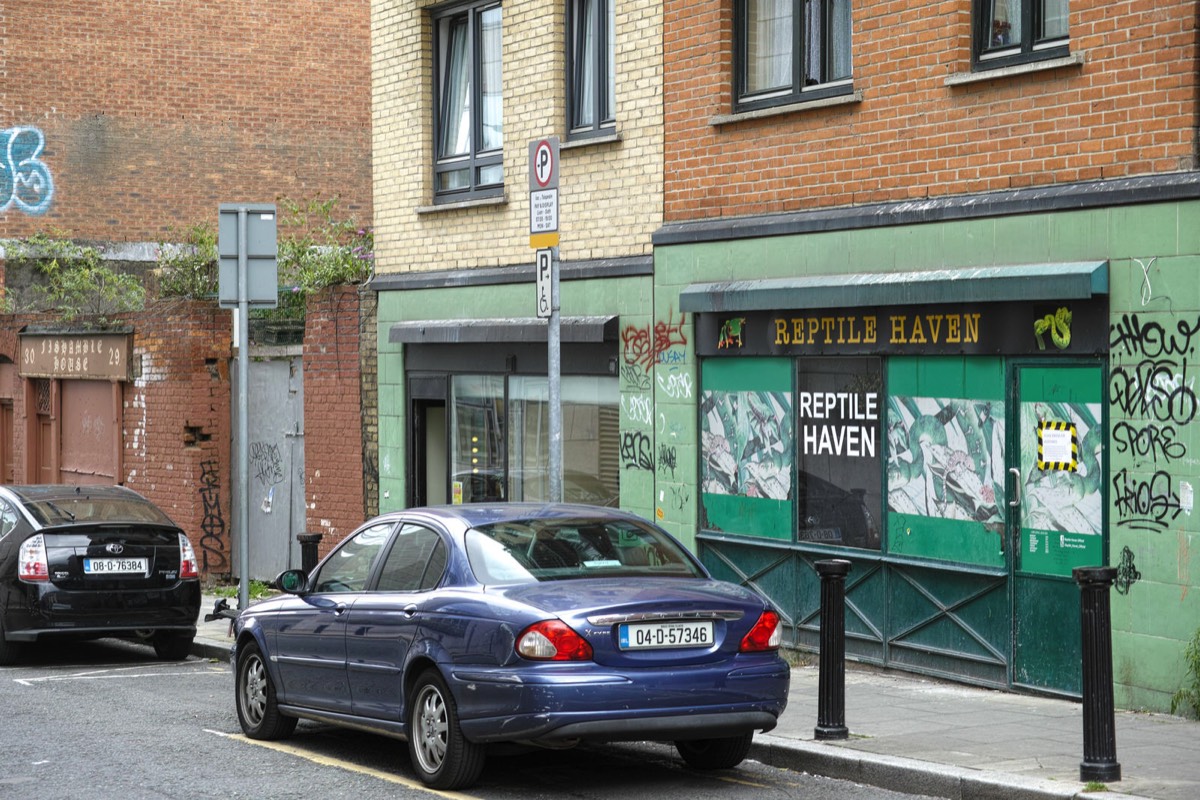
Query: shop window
x: 477, y: 434
x: 591, y: 427
x: 747, y: 447
x: 945, y: 467
x: 839, y: 451
x: 500, y: 439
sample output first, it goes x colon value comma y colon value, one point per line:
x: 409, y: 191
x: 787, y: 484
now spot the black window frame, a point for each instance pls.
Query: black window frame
x: 1031, y: 48
x: 601, y: 125
x: 477, y: 159
x: 797, y: 92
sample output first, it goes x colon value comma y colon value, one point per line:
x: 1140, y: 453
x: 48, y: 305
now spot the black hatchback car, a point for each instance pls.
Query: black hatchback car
x: 89, y: 562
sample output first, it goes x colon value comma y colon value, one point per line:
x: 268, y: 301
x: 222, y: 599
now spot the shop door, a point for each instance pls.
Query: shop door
x: 1056, y: 515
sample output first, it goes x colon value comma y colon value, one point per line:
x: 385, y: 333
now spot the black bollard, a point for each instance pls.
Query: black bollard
x: 831, y: 680
x: 1099, y: 723
x: 308, y: 550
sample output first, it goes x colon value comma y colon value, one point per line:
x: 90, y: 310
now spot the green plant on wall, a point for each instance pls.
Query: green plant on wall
x: 316, y: 249
x: 78, y: 284
x: 189, y: 269
x: 322, y: 250
x: 1189, y: 696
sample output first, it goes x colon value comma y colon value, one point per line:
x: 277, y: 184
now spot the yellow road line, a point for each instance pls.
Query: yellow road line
x: 326, y: 761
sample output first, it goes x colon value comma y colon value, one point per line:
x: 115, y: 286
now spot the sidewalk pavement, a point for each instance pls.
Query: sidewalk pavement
x: 920, y: 735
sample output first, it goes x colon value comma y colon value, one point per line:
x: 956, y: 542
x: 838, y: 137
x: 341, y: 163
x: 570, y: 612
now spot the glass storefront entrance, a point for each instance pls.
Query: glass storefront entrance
x: 499, y: 438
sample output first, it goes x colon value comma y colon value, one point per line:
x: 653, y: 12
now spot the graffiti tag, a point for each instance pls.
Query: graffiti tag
x: 25, y: 180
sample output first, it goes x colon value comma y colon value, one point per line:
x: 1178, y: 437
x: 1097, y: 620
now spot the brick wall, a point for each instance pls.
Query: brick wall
x: 153, y: 113
x: 1129, y: 109
x: 177, y: 422
x: 333, y: 416
x: 175, y: 417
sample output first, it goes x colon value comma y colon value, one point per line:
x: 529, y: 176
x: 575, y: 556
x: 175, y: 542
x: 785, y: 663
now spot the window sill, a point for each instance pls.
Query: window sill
x: 962, y: 78
x: 584, y: 141
x: 479, y: 202
x: 790, y: 108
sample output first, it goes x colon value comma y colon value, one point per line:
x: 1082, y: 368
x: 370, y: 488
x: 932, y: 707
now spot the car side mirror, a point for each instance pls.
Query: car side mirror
x: 292, y: 581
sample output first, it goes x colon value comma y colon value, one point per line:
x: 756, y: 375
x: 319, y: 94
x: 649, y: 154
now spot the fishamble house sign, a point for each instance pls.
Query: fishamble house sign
x: 76, y: 354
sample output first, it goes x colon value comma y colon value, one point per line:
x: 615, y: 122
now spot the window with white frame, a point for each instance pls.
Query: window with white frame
x: 468, y: 128
x: 1014, y: 31
x: 791, y: 50
x: 591, y: 81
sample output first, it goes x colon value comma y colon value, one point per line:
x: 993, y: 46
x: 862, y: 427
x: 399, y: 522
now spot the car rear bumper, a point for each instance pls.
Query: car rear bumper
x: 50, y: 612
x: 658, y: 705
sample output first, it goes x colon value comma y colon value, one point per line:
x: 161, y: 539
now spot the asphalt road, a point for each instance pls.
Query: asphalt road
x: 103, y: 720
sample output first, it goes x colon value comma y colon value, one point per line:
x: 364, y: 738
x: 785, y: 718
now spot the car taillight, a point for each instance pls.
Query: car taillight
x: 31, y: 560
x: 766, y: 634
x: 553, y: 640
x: 187, y: 559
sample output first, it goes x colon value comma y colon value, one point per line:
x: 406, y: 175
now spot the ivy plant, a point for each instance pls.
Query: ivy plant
x: 189, y: 269
x: 78, y: 286
x: 322, y: 250
x: 316, y: 249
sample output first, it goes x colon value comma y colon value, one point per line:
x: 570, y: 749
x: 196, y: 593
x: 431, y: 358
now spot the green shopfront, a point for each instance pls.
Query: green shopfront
x: 957, y: 465
x: 966, y: 404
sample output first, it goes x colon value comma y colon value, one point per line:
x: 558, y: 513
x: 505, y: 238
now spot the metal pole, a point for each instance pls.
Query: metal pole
x: 831, y: 679
x: 243, y: 454
x: 555, y: 372
x: 1099, y: 722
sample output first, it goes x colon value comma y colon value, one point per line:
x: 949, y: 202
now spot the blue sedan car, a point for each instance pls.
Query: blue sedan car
x: 458, y: 627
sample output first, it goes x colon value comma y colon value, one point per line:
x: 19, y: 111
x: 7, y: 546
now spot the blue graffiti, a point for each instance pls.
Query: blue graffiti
x: 25, y: 180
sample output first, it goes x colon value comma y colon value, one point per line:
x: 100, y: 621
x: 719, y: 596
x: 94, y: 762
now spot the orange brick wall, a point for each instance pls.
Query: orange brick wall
x: 176, y: 426
x: 1130, y: 109
x: 155, y: 112
x: 333, y: 416
x: 177, y: 422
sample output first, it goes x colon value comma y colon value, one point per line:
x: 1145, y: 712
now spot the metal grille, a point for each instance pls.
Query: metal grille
x: 43, y: 396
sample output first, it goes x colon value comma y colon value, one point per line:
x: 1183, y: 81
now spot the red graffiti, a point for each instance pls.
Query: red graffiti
x: 645, y: 348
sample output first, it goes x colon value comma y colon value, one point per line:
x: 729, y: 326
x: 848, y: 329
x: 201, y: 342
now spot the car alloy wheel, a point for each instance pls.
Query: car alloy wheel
x: 442, y: 757
x: 258, y: 713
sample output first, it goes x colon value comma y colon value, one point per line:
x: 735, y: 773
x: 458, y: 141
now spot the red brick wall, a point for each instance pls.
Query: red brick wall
x: 177, y: 422
x: 176, y: 417
x: 176, y: 426
x: 153, y: 113
x: 333, y: 416
x: 1129, y: 110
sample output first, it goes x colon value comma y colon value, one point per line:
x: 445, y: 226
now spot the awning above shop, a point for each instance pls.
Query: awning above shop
x: 1052, y: 281
x: 513, y: 329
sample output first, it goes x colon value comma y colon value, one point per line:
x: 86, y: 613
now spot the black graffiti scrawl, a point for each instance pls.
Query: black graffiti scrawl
x: 1152, y: 392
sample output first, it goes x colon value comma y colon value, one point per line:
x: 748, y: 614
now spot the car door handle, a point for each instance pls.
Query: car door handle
x: 340, y: 609
x: 410, y: 610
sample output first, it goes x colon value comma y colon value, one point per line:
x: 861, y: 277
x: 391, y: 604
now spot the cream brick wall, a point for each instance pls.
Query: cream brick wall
x: 610, y: 192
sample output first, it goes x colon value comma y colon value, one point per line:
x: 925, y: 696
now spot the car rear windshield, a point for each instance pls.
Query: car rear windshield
x: 84, y: 509
x: 544, y: 550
